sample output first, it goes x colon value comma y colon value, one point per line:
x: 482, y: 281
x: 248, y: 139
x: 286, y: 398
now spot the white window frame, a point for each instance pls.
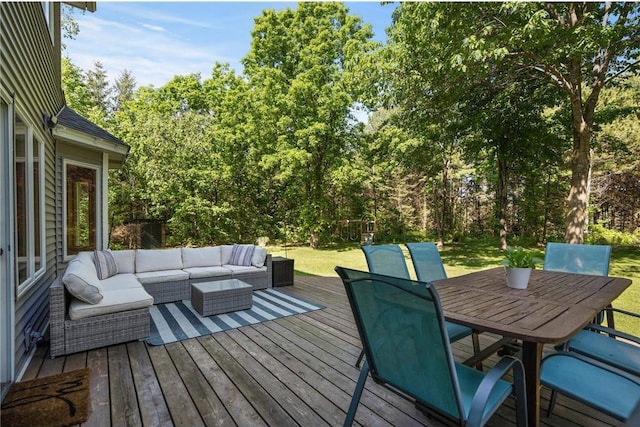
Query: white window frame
x: 7, y: 299
x: 47, y: 10
x: 98, y: 209
x: 32, y: 274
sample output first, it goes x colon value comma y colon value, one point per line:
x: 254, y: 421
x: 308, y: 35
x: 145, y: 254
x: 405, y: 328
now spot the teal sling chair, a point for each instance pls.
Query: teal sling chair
x: 428, y: 266
x: 389, y: 260
x: 601, y: 358
x: 403, y: 332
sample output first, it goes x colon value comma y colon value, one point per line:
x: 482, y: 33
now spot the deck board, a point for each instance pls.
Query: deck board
x: 291, y: 371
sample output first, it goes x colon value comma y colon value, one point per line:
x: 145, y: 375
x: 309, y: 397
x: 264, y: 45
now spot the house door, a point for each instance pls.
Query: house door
x: 6, y: 294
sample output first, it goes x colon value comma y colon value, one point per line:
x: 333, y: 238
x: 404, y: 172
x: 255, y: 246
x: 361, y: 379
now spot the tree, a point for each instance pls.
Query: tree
x: 99, y: 88
x: 299, y: 65
x: 124, y: 88
x: 69, y: 26
x: 455, y: 113
x: 579, y: 47
x: 616, y: 161
x: 74, y: 87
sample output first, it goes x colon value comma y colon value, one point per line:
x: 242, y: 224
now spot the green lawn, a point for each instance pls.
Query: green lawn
x: 465, y: 257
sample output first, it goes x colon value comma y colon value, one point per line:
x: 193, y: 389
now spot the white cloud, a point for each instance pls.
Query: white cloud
x: 151, y: 52
x: 154, y: 27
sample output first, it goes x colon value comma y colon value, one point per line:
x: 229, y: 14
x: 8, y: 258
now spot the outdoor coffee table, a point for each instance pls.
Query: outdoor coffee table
x: 222, y: 296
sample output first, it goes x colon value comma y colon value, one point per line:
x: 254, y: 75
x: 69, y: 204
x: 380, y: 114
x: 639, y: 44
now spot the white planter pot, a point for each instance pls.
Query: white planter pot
x: 517, y: 278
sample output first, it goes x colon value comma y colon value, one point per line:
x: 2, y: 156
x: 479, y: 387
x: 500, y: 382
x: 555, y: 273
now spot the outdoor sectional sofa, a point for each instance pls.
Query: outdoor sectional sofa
x: 105, y: 302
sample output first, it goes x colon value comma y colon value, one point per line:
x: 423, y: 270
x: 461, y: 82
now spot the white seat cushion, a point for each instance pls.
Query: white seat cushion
x: 203, y: 272
x: 240, y: 269
x: 112, y: 302
x: 201, y: 257
x: 162, y: 276
x: 158, y: 259
x: 121, y: 281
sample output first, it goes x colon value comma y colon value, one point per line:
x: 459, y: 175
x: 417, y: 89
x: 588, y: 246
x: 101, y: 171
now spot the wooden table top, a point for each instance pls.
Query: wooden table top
x: 552, y: 308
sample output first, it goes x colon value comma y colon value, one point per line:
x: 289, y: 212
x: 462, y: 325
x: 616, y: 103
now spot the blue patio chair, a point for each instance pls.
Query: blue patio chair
x: 428, y: 266
x: 601, y: 386
x: 426, y: 261
x: 405, y: 339
x: 574, y: 258
x: 582, y: 259
x: 595, y: 341
x: 388, y: 260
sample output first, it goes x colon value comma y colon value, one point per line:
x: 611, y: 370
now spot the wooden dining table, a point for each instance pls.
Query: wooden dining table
x: 553, y: 308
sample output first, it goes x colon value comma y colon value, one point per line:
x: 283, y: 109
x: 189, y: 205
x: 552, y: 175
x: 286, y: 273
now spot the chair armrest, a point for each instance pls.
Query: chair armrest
x: 613, y: 333
x: 489, y: 382
x: 57, y: 301
x: 619, y: 310
x: 268, y: 262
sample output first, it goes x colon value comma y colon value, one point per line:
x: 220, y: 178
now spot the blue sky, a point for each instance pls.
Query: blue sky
x: 157, y: 40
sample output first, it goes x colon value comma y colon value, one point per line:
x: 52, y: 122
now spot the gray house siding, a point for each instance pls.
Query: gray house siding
x: 29, y: 71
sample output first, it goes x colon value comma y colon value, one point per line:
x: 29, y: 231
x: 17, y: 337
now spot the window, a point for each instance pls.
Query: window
x: 81, y: 208
x: 47, y: 9
x: 29, y: 202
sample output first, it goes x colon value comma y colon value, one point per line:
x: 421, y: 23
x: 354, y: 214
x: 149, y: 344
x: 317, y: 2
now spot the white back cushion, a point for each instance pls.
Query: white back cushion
x: 125, y: 260
x: 225, y: 253
x: 158, y: 259
x: 259, y: 256
x: 201, y: 257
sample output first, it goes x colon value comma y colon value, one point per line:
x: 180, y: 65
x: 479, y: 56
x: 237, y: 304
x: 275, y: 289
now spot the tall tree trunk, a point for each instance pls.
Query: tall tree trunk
x: 502, y: 200
x: 578, y: 199
x: 579, y: 194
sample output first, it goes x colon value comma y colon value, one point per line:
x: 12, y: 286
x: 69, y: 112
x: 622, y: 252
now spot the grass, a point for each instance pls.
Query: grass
x: 462, y: 258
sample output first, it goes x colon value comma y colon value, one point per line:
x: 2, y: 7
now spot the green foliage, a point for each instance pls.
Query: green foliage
x: 462, y: 141
x: 74, y: 87
x: 600, y: 235
x: 518, y: 257
x: 299, y: 68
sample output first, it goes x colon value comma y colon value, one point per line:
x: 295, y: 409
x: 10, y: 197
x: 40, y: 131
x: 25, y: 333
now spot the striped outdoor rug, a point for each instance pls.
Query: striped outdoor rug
x: 179, y: 320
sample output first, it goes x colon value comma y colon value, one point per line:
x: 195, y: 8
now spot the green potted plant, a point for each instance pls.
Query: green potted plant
x: 518, y: 264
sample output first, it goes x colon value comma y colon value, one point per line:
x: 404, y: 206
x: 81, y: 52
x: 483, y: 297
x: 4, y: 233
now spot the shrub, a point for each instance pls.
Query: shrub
x: 600, y: 235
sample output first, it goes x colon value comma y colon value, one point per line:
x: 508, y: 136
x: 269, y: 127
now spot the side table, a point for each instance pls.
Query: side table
x: 282, y: 271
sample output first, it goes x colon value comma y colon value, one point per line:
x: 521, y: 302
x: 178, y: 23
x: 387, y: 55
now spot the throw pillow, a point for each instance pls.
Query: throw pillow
x: 241, y: 255
x: 81, y: 281
x: 105, y: 264
x: 259, y: 256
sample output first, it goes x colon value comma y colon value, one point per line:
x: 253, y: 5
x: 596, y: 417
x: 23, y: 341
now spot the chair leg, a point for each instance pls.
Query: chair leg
x: 355, y: 400
x: 610, y: 320
x: 552, y: 402
x: 360, y: 358
x: 522, y: 418
x: 475, y: 339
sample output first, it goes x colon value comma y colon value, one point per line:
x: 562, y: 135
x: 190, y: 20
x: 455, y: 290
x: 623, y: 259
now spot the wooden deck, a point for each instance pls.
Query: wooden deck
x: 292, y: 371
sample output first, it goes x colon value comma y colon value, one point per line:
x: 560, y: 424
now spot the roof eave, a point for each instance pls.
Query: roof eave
x: 89, y: 6
x: 117, y: 152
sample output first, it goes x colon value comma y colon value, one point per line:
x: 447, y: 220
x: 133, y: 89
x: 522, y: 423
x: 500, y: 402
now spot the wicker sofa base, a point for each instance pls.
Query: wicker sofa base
x: 109, y: 329
x: 71, y: 336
